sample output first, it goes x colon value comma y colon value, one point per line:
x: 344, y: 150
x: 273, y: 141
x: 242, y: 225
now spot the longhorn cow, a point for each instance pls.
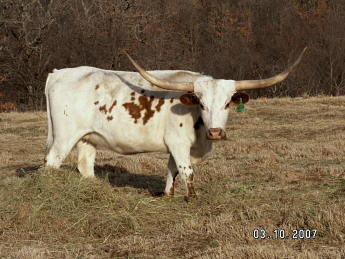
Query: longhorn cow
x: 132, y: 112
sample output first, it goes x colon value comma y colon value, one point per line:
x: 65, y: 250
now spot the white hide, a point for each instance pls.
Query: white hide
x: 81, y: 111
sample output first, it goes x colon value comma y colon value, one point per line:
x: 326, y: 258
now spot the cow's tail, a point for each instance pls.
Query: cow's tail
x: 50, y: 125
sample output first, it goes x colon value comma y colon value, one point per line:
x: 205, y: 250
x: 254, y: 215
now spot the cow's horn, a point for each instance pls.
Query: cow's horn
x: 159, y: 82
x: 254, y: 84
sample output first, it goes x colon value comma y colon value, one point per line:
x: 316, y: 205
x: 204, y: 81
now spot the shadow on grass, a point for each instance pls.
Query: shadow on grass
x: 120, y: 177
x: 28, y: 170
x: 117, y: 177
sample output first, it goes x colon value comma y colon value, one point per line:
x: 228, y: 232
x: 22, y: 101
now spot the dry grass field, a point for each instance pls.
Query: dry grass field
x: 282, y: 168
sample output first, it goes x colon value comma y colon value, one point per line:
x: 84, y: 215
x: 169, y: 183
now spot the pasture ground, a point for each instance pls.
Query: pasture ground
x: 282, y: 168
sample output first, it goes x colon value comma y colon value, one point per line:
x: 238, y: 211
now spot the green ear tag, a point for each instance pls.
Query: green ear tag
x: 240, y: 107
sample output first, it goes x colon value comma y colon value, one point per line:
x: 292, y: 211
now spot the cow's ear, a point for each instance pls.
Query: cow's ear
x: 189, y: 99
x: 236, y: 98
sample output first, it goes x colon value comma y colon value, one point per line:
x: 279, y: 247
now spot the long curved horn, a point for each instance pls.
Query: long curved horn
x: 254, y: 84
x: 159, y: 82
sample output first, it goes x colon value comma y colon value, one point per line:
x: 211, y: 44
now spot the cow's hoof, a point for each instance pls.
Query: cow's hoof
x: 169, y: 194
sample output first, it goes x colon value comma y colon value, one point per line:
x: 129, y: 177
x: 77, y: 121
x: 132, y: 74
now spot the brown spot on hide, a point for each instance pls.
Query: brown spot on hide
x: 159, y: 105
x: 145, y: 104
x: 96, y: 102
x: 134, y: 110
x: 189, y: 167
x: 191, y: 191
x: 109, y: 118
x: 171, y: 100
x: 190, y: 186
x: 112, y: 106
x: 132, y: 93
x: 132, y: 98
x: 198, y: 123
x: 179, y: 166
x: 142, y: 91
x: 191, y: 178
x: 181, y: 124
x: 96, y: 87
x: 189, y: 99
x: 103, y: 109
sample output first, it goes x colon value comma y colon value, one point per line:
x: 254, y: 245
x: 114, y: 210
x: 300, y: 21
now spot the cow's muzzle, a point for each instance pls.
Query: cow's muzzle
x: 216, y: 134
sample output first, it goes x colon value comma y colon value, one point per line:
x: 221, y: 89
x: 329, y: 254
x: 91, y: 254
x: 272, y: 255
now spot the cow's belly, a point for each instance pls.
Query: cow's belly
x: 123, y: 144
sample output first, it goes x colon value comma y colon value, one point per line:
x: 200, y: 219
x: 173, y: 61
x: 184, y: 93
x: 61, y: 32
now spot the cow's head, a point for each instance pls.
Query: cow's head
x: 214, y: 96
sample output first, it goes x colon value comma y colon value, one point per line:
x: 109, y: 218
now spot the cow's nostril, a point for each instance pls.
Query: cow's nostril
x: 215, y: 132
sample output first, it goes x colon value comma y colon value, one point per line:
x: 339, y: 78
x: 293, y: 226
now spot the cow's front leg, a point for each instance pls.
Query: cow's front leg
x: 172, y: 173
x: 184, y: 167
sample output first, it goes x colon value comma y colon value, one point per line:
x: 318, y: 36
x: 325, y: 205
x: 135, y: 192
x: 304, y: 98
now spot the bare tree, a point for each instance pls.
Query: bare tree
x: 226, y: 39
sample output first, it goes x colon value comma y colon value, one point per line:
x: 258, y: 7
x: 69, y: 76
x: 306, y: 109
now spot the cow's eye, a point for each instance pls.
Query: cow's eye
x: 202, y: 106
x: 227, y: 105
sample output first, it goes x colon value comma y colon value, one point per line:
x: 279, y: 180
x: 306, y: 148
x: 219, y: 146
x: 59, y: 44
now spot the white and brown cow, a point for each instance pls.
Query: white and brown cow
x: 128, y: 112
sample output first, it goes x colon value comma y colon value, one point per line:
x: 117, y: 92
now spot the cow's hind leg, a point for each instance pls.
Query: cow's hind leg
x: 172, y: 173
x: 60, y: 148
x: 86, y: 158
x: 57, y: 153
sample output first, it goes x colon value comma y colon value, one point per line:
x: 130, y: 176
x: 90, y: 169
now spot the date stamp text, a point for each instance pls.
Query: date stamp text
x: 284, y: 234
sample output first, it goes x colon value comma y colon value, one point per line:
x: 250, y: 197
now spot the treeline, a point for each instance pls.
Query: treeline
x: 238, y: 39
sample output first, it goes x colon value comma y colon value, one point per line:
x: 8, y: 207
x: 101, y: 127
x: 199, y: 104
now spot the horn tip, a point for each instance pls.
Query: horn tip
x: 305, y: 48
x: 125, y: 50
